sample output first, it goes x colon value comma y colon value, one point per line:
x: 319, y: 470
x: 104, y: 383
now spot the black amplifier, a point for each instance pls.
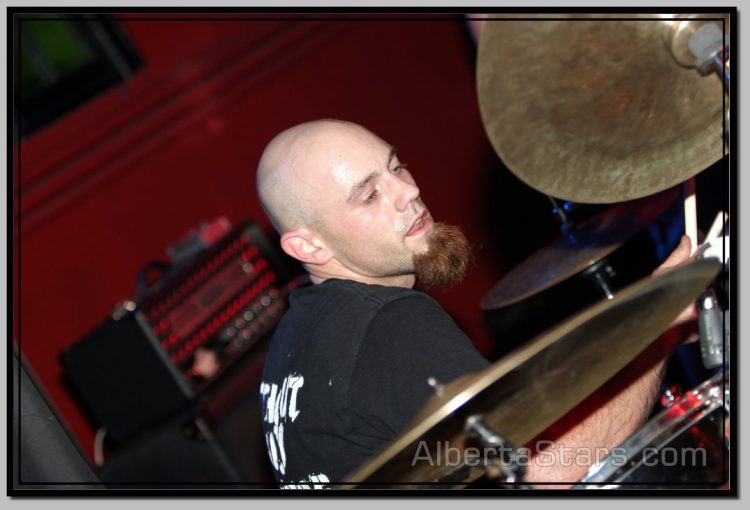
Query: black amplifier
x: 160, y: 351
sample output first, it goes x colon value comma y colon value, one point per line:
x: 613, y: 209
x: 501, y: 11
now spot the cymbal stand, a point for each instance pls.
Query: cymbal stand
x: 713, y: 329
x: 601, y: 273
x: 502, y: 461
x: 560, y: 212
x: 713, y: 322
x: 711, y: 51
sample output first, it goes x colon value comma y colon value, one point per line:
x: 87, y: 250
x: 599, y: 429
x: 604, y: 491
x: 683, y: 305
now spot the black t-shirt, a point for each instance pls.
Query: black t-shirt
x: 347, y: 369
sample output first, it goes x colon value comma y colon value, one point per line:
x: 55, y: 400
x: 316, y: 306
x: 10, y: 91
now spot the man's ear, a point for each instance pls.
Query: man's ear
x: 302, y: 245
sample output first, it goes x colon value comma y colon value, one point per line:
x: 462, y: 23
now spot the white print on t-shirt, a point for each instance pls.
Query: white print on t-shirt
x: 281, y: 407
x: 319, y: 481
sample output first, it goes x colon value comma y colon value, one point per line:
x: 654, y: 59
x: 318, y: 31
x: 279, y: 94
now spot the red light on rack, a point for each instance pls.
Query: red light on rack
x: 249, y: 253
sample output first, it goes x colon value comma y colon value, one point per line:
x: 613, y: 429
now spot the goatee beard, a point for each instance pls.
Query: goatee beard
x: 446, y: 259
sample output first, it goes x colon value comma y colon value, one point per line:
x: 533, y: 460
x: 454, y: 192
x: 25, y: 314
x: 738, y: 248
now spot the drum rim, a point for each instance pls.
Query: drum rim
x: 656, y: 432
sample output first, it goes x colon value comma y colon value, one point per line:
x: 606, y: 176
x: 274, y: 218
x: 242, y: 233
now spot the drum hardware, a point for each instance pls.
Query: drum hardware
x: 713, y: 322
x: 726, y: 392
x: 560, y: 212
x: 713, y: 60
x: 555, y: 371
x: 503, y: 466
x: 435, y: 385
x: 670, y: 395
x: 601, y: 274
x: 583, y: 245
x: 711, y: 330
x: 684, y: 446
x: 701, y: 44
x: 727, y: 343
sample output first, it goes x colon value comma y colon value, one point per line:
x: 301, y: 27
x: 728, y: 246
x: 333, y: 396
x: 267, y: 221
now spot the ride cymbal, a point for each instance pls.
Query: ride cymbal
x: 596, y: 109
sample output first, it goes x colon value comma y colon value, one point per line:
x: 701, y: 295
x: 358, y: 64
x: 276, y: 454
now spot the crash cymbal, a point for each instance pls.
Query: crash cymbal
x: 522, y: 394
x: 584, y: 245
x: 597, y: 110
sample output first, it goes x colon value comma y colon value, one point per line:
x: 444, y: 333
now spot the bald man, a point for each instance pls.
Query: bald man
x: 349, y: 363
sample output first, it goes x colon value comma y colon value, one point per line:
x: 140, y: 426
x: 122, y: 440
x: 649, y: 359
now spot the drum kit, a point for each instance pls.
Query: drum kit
x: 591, y: 109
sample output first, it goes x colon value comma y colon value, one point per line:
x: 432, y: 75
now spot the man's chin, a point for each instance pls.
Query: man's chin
x: 421, y: 249
x: 445, y: 260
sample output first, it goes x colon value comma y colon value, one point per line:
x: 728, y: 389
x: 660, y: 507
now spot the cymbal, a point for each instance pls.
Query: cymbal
x: 584, y: 245
x: 597, y: 110
x: 520, y: 395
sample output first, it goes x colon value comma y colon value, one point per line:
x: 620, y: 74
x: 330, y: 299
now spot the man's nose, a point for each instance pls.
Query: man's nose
x: 408, y: 193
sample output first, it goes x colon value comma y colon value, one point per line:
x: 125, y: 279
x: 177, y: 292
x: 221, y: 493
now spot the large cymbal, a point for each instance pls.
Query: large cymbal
x: 522, y: 394
x: 596, y: 110
x: 583, y: 246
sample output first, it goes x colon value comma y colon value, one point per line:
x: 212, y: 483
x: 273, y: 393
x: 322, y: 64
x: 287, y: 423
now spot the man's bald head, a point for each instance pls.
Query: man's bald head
x: 290, y: 178
x: 347, y: 207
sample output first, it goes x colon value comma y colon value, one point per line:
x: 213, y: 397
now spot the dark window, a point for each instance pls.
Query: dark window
x: 64, y: 60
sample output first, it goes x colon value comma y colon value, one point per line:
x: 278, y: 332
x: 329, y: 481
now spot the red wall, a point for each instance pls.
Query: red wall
x: 106, y: 188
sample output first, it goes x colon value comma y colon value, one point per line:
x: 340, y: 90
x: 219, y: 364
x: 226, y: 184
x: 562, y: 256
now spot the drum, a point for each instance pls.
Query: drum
x: 684, y: 446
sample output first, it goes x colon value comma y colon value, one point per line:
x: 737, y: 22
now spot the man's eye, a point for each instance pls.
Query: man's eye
x: 371, y: 197
x: 399, y: 168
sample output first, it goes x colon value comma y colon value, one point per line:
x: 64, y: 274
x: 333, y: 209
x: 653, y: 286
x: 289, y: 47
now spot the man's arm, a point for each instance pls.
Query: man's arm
x: 566, y: 450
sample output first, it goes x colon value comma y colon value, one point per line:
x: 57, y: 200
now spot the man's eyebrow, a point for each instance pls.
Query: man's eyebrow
x: 391, y: 155
x: 361, y: 184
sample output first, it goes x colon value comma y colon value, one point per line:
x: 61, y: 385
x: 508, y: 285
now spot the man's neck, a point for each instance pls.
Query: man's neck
x: 405, y: 281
